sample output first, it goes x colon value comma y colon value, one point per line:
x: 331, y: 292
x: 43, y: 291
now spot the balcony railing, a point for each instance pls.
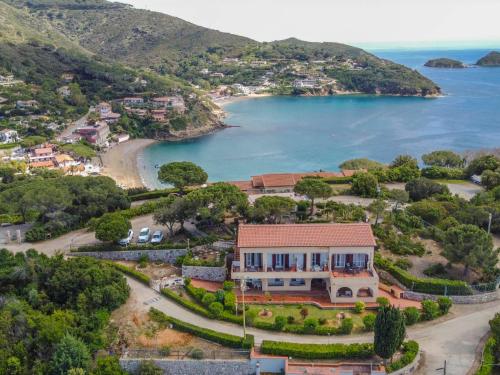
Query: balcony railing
x: 352, y: 272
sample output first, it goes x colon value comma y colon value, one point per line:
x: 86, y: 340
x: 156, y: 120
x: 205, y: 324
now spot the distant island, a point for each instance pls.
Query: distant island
x: 491, y: 59
x: 445, y: 63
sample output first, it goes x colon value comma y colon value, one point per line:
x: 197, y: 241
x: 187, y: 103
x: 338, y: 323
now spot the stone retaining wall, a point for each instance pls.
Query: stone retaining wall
x: 411, y: 368
x: 460, y: 300
x: 167, y: 256
x: 205, y: 273
x: 194, y: 367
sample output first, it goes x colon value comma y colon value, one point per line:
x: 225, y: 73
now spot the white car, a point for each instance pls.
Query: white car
x: 144, y: 235
x: 126, y: 241
x: 157, y: 237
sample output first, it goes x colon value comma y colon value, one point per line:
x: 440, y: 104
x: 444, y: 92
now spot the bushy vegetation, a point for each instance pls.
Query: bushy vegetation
x: 55, y: 311
x: 208, y: 334
x: 409, y: 350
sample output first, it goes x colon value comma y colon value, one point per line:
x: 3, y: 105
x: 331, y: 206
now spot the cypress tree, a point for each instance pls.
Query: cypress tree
x: 389, y: 332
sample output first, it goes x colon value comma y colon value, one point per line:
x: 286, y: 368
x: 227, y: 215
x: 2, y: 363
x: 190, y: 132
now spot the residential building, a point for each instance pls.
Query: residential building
x: 64, y: 161
x: 42, y: 153
x: 282, y: 182
x: 8, y: 80
x: 67, y: 77
x: 64, y: 91
x: 306, y: 83
x: 26, y: 104
x: 106, y: 113
x: 96, y: 134
x: 49, y: 164
x: 217, y: 75
x: 337, y: 258
x: 8, y: 136
x: 122, y: 137
x: 159, y: 115
x: 175, y: 103
x: 241, y: 88
x: 136, y: 100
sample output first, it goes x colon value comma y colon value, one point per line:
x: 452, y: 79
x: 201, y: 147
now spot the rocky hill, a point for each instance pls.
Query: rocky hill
x: 491, y: 59
x: 445, y: 63
x: 146, y: 39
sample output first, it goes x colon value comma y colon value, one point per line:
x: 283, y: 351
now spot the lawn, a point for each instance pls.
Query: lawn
x: 314, y: 312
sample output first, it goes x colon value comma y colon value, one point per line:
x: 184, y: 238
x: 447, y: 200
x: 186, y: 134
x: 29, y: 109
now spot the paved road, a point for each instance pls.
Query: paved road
x: 454, y: 340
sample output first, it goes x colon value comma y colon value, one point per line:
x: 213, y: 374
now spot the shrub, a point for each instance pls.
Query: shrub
x: 488, y: 358
x: 228, y: 286
x: 427, y: 285
x: 187, y: 281
x: 37, y: 233
x: 310, y: 325
x: 435, y: 270
x: 196, y: 354
x: 304, y: 312
x: 165, y: 351
x: 346, y: 326
x: 318, y: 351
x: 216, y: 308
x: 139, y: 276
x: 230, y: 301
x: 322, y: 321
x: 410, y: 350
x: 444, y: 173
x: 359, y: 307
x: 194, y: 307
x: 404, y: 264
x: 369, y: 322
x: 412, y: 315
x: 382, y: 302
x: 290, y: 319
x: 208, y: 334
x: 208, y: 299
x: 279, y: 323
x: 430, y: 310
x: 219, y: 295
x: 445, y: 304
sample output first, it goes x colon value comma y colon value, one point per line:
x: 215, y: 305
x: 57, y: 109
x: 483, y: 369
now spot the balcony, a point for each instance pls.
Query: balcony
x: 236, y: 267
x: 352, y: 272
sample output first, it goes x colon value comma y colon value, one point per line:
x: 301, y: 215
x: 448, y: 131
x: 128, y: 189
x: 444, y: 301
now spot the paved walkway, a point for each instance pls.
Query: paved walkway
x: 454, y: 340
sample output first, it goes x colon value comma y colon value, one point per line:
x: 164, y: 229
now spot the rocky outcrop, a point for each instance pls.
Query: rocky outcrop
x: 491, y: 59
x: 445, y: 63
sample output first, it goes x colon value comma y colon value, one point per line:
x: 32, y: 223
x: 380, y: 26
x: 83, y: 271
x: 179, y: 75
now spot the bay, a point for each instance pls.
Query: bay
x: 295, y: 134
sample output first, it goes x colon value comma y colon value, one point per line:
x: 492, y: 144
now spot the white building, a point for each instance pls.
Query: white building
x: 8, y: 136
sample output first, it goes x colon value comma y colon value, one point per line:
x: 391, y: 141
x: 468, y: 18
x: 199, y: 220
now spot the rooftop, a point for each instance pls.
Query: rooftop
x: 305, y: 235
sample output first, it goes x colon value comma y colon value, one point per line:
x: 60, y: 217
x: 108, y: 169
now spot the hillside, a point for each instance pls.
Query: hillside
x: 491, y: 59
x: 445, y: 63
x: 168, y: 44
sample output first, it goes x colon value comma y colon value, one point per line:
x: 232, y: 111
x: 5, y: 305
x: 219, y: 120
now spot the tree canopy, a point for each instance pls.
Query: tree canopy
x: 112, y: 227
x: 443, y: 158
x: 175, y: 210
x: 313, y: 188
x: 471, y: 246
x: 389, y: 331
x: 422, y: 188
x: 365, y: 184
x: 181, y: 174
x: 361, y: 163
x: 273, y: 208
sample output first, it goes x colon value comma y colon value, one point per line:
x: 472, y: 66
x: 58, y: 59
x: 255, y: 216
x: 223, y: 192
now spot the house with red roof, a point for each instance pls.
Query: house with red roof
x: 337, y: 258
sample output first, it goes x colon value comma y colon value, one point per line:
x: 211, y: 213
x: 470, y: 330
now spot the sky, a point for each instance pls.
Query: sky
x: 375, y: 23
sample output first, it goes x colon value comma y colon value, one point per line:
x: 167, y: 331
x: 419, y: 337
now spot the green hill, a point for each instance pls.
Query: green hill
x: 445, y: 63
x: 168, y: 44
x: 491, y: 59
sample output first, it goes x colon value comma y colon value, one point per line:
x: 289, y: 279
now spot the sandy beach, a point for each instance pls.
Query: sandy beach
x: 120, y: 162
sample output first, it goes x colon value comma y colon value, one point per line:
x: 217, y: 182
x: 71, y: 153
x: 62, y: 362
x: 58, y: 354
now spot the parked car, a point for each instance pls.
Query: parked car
x: 126, y: 241
x: 144, y: 235
x: 157, y: 237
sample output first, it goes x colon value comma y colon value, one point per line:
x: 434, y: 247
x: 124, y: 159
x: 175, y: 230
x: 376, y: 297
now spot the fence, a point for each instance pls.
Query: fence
x: 222, y: 353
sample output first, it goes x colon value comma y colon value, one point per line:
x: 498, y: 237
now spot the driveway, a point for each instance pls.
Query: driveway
x: 455, y: 339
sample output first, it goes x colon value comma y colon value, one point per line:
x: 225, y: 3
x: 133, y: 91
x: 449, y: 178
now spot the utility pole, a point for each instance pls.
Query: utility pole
x: 243, y: 287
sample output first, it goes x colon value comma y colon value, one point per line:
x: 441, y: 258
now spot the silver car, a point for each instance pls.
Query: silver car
x: 144, y: 235
x: 157, y: 237
x: 126, y: 241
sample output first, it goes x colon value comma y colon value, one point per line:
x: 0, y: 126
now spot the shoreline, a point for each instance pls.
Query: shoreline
x: 121, y: 162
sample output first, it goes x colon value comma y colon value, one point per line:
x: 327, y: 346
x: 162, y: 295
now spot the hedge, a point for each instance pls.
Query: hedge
x: 338, y: 180
x: 416, y: 284
x: 205, y: 333
x: 410, y: 351
x: 436, y: 172
x: 153, y: 194
x: 116, y: 247
x: 318, y: 351
x: 194, y: 307
x: 139, y: 276
x: 488, y: 362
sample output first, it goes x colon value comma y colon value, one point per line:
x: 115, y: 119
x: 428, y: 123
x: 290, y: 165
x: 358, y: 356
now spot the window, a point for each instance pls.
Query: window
x: 340, y: 260
x: 252, y: 260
x: 276, y: 282
x: 280, y: 260
x: 359, y: 260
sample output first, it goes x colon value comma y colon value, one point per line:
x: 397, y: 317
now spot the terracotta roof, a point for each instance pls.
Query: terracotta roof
x: 300, y: 235
x: 242, y: 185
x: 42, y: 164
x: 61, y: 158
x: 43, y: 150
x: 287, y: 179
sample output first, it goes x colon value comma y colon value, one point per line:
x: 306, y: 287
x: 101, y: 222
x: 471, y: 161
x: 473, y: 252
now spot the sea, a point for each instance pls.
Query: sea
x: 299, y: 134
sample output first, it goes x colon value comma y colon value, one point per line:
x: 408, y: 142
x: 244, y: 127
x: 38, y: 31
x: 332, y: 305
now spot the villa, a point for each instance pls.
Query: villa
x: 337, y: 258
x: 283, y: 182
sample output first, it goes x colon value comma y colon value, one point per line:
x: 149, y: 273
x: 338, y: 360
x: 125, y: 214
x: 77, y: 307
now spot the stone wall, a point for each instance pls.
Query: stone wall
x: 411, y: 368
x: 460, y: 300
x: 205, y: 273
x: 167, y: 256
x: 194, y: 367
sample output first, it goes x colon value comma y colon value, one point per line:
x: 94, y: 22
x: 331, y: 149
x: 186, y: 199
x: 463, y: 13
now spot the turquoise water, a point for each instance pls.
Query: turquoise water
x: 292, y: 134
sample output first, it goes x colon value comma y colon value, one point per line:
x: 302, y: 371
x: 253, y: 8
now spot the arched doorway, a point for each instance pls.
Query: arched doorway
x: 344, y: 292
x: 364, y: 292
